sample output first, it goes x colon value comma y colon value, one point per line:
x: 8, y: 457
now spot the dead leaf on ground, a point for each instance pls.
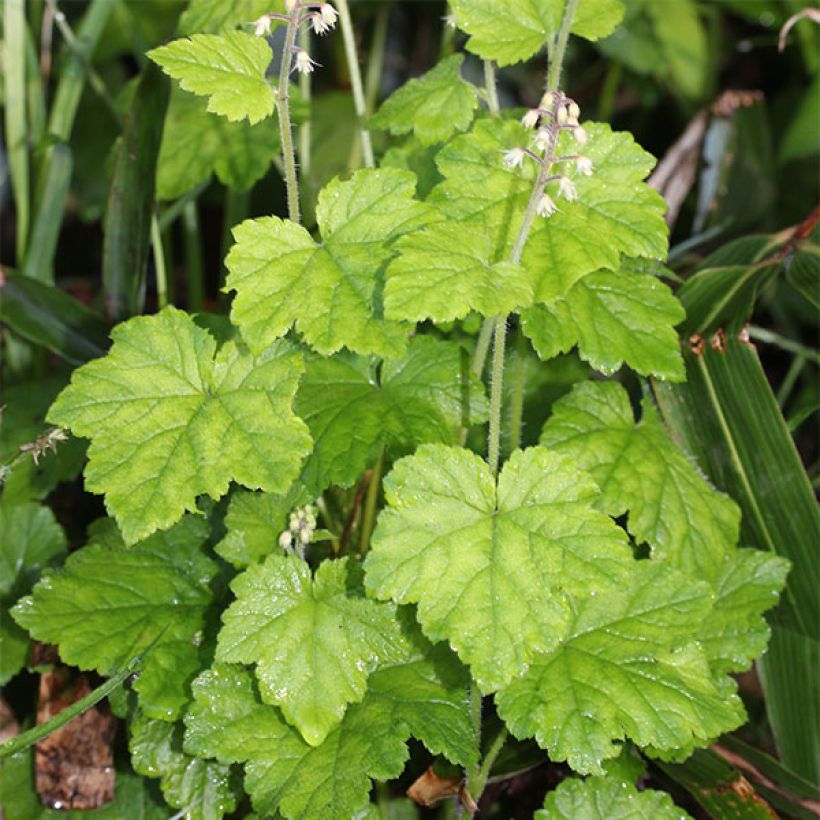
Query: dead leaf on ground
x: 429, y: 789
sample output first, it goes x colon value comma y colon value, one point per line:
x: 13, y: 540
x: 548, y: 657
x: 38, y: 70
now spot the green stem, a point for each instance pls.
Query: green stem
x: 609, y: 91
x: 478, y: 782
x: 194, y: 272
x: 482, y: 346
x: 375, y: 60
x: 370, y: 504
x: 790, y: 379
x: 355, y: 80
x: 557, y: 59
x: 177, y: 207
x: 305, y: 89
x: 236, y: 209
x: 159, y: 263
x: 283, y: 108
x: 517, y: 400
x: 770, y: 337
x: 491, y: 88
x: 496, y: 389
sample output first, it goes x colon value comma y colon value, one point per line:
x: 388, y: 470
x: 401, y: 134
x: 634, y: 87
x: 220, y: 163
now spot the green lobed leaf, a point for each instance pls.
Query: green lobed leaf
x: 205, y: 789
x: 196, y: 143
x: 440, y: 277
x: 433, y: 106
x: 638, y: 468
x: 331, y: 290
x: 607, y: 798
x: 614, y: 317
x: 170, y: 419
x: 255, y: 521
x: 221, y: 15
x: 516, y: 30
x: 314, y: 640
x: 628, y: 666
x: 423, y: 696
x: 109, y: 602
x: 419, y: 398
x: 228, y: 68
x: 489, y: 567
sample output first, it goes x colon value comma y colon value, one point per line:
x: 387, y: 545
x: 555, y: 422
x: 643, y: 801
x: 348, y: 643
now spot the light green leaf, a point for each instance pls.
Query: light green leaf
x: 221, y: 15
x: 255, y: 521
x: 206, y: 789
x: 424, y: 696
x: 615, y: 212
x: 196, y: 143
x: 607, y: 798
x: 433, y: 106
x: 440, y: 277
x: 228, y: 68
x: 419, y: 399
x: 746, y: 585
x: 170, y: 419
x: 628, y: 666
x: 314, y: 640
x: 332, y: 290
x: 110, y: 601
x: 614, y: 317
x: 639, y: 469
x: 516, y: 30
x: 14, y: 647
x: 490, y: 567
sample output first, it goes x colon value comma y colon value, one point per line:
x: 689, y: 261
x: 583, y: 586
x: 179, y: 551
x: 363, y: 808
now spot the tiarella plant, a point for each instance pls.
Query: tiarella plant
x: 588, y: 592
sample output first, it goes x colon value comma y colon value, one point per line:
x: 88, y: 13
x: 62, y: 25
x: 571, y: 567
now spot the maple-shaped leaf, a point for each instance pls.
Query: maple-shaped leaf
x: 419, y: 398
x: 639, y: 469
x: 627, y: 666
x: 228, y: 68
x: 207, y: 790
x: 331, y: 289
x: 314, y: 640
x: 109, y: 602
x: 222, y: 15
x: 607, y: 798
x: 516, y: 30
x: 424, y: 696
x: 255, y: 521
x: 439, y: 276
x: 745, y: 586
x: 170, y: 418
x: 432, y: 106
x: 614, y: 317
x: 489, y: 566
x: 196, y: 143
x: 615, y: 212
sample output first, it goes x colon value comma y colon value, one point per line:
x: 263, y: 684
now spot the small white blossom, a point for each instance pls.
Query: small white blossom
x: 290, y: 5
x: 329, y: 14
x: 543, y: 137
x: 318, y: 24
x: 449, y: 20
x: 573, y: 111
x: 514, y: 158
x: 304, y: 65
x: 584, y: 166
x: 581, y: 136
x: 286, y: 540
x: 547, y: 100
x: 546, y: 206
x: 262, y: 26
x: 530, y: 119
x: 566, y: 188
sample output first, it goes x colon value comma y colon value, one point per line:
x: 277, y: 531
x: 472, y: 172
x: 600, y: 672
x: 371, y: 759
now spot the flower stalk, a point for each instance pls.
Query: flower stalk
x: 283, y: 109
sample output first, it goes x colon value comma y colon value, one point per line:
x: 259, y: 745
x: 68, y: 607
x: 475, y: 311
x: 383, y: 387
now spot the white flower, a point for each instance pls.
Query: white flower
x: 319, y: 25
x: 546, y: 207
x: 290, y: 5
x: 547, y: 100
x: 573, y: 111
x: 286, y: 540
x: 514, y: 158
x: 584, y: 166
x: 580, y: 136
x: 329, y: 15
x: 262, y: 26
x: 543, y: 137
x: 304, y: 65
x: 530, y: 119
x: 566, y: 189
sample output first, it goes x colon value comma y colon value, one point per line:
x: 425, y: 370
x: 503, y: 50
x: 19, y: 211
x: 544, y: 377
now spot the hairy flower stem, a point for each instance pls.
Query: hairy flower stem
x: 517, y: 399
x: 557, y: 59
x: 369, y: 518
x: 305, y: 89
x: 355, y: 81
x: 283, y: 108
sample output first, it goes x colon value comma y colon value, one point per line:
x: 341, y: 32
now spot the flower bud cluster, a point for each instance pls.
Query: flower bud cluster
x: 321, y: 17
x: 301, y: 526
x: 555, y: 113
x: 44, y: 442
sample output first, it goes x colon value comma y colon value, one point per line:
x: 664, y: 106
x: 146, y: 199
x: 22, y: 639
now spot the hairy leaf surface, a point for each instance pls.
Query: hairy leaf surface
x: 432, y: 106
x: 614, y: 317
x: 489, y: 566
x: 228, y: 68
x: 423, y: 696
x: 221, y: 15
x: 628, y: 666
x: 607, y: 798
x: 332, y: 290
x: 516, y: 30
x: 420, y: 398
x: 109, y: 602
x: 170, y: 418
x: 639, y: 469
x: 206, y: 789
x: 314, y: 641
